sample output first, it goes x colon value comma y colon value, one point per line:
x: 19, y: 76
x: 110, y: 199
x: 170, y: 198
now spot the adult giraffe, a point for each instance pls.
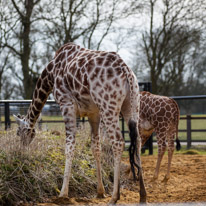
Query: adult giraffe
x: 96, y: 84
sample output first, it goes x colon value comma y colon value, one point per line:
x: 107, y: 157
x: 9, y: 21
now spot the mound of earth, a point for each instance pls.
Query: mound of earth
x: 187, y: 183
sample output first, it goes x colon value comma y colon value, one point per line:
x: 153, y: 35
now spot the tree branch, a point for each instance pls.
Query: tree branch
x: 17, y: 9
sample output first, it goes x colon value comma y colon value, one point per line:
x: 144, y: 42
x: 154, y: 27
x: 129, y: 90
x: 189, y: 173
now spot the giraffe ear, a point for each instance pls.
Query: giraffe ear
x: 19, y: 121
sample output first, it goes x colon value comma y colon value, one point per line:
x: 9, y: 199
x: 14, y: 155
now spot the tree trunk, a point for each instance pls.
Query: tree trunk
x: 26, y: 51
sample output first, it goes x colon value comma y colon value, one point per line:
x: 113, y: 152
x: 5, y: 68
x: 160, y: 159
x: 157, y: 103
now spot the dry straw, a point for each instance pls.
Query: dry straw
x: 36, y: 173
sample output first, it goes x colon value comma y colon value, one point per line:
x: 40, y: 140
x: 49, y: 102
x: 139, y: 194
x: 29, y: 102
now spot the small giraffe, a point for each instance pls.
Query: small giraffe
x: 159, y: 114
x: 96, y: 84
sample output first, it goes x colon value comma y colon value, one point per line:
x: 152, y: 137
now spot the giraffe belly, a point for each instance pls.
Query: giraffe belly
x: 147, y: 133
x: 86, y: 107
x: 146, y: 127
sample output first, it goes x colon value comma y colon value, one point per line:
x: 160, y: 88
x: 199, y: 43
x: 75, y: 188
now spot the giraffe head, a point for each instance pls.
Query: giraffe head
x: 25, y: 132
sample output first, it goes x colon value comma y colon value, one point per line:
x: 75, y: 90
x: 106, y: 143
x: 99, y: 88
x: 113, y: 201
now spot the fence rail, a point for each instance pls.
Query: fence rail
x: 7, y: 122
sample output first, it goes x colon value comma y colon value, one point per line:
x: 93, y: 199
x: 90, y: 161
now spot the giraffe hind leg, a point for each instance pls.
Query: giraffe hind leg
x: 117, y: 142
x: 135, y: 160
x: 170, y: 154
x: 135, y: 149
x: 161, y: 150
x: 96, y: 150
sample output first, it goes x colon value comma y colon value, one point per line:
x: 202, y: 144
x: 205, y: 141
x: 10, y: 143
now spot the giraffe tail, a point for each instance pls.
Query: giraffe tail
x: 134, y: 155
x: 133, y: 146
x: 178, y: 145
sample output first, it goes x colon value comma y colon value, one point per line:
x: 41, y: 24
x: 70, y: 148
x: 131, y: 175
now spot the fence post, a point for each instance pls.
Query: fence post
x: 189, y: 131
x: 7, y: 116
x: 123, y: 130
x: 151, y: 145
x: 40, y: 124
x: 0, y: 116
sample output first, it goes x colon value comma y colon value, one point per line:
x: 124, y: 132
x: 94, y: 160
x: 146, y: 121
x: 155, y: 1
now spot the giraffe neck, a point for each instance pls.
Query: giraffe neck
x: 42, y: 90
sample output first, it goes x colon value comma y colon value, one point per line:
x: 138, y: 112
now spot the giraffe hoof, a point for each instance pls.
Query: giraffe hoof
x: 101, y: 196
x: 165, y: 179
x: 128, y: 169
x: 130, y: 176
x: 63, y: 196
x: 112, y: 202
x: 154, y: 179
x: 143, y: 200
x: 63, y: 200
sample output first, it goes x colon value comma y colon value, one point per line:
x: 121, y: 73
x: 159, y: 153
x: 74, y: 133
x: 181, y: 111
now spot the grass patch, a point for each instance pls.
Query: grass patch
x: 191, y: 152
x: 200, y: 149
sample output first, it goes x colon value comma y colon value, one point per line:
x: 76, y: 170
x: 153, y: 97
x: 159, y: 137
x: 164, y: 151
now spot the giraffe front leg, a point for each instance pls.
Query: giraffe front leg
x: 69, y: 152
x: 70, y: 126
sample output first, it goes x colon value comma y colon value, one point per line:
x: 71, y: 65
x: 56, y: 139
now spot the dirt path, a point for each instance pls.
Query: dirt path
x: 187, y: 183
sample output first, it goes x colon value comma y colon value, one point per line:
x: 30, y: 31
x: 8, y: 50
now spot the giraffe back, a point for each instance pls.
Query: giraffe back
x: 93, y: 80
x: 158, y: 113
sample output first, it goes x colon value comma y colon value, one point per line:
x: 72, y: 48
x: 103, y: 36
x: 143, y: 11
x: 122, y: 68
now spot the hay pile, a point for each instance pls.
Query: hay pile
x: 36, y: 173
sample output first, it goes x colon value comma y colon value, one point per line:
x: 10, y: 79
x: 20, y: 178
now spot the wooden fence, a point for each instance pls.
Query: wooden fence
x: 5, y: 105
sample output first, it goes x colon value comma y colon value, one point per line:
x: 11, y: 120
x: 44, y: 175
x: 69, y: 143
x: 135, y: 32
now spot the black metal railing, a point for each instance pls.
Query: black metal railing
x: 12, y: 106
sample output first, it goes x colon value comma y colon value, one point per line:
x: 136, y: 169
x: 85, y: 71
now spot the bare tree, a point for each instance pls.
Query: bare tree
x: 166, y: 46
x: 86, y: 22
x: 196, y: 72
x: 32, y: 30
x: 18, y: 20
x: 4, y: 56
